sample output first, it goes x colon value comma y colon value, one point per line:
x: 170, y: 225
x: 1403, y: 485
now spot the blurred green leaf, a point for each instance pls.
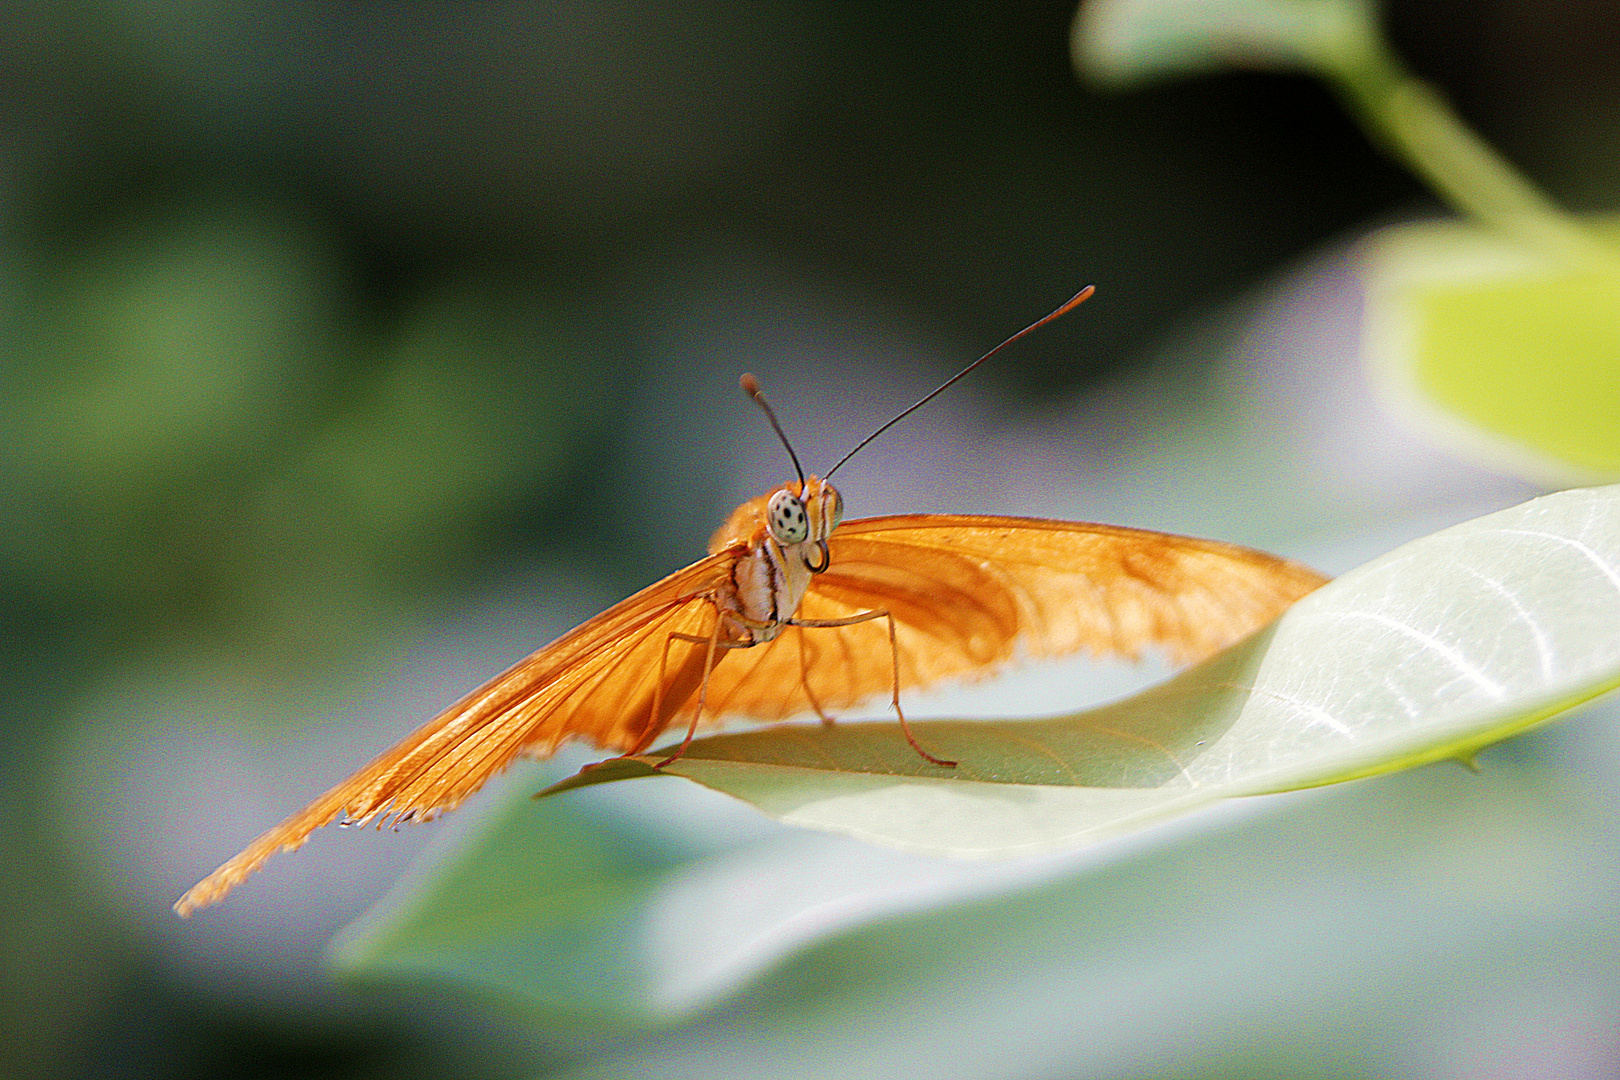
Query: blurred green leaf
x: 1441, y: 647
x: 1124, y: 43
x: 567, y: 906
x: 172, y: 346
x: 1503, y: 354
x: 554, y: 905
x: 1124, y: 966
x: 170, y: 357
x: 482, y: 396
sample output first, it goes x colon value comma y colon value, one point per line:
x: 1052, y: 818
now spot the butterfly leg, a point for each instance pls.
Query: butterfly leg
x: 804, y: 682
x: 654, y: 728
x: 894, y: 656
x: 713, y: 642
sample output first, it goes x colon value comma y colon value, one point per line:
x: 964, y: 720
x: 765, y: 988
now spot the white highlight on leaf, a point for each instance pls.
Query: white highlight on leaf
x: 1440, y: 648
x: 1604, y: 567
x: 1314, y: 714
x: 1544, y: 649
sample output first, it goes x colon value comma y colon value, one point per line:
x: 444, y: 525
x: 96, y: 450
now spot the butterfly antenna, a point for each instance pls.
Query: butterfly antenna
x: 750, y: 387
x: 1069, y: 305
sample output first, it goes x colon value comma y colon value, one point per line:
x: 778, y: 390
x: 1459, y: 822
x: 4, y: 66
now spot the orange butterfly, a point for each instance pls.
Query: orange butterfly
x: 795, y: 610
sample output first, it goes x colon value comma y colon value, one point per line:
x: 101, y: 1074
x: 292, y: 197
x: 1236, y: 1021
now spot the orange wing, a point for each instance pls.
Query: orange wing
x: 971, y: 593
x: 598, y: 682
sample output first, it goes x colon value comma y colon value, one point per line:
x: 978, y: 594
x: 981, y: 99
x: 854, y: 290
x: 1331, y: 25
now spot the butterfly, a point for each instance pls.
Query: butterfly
x: 794, y: 611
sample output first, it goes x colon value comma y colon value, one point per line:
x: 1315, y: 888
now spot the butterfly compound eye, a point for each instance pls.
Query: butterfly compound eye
x: 786, y: 519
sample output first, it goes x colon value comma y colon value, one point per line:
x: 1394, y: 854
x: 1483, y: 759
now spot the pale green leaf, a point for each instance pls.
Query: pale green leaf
x: 1443, y: 646
x: 1122, y: 43
x: 1504, y: 356
x: 1431, y: 651
x: 1466, y: 909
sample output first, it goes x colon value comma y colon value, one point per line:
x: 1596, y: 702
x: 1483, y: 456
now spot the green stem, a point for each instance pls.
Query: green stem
x: 1407, y: 115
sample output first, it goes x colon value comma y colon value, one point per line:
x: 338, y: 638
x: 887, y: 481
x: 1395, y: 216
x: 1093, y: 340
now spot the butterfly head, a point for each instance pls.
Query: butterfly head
x: 803, y: 513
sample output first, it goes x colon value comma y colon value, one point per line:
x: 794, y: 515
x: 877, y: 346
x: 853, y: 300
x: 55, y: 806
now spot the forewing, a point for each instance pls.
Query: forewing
x: 599, y: 682
x: 970, y: 593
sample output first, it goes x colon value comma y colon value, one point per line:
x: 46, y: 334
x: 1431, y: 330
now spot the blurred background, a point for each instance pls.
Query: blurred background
x: 352, y: 351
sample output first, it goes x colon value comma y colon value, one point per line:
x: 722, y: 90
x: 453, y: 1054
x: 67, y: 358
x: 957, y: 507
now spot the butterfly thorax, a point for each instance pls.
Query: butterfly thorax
x: 780, y: 543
